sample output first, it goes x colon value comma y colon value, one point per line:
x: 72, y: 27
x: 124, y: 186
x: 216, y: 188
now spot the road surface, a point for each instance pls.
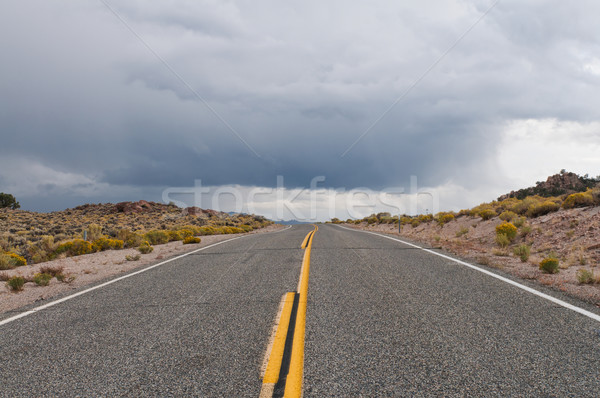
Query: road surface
x: 382, y: 319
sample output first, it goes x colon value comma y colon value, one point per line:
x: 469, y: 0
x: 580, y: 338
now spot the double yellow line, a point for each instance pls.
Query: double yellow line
x: 293, y: 384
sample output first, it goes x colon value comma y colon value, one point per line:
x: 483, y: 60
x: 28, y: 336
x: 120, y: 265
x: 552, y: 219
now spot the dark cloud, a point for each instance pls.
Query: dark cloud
x: 298, y: 82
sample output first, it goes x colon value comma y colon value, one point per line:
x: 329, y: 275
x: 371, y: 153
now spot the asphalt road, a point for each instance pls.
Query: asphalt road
x: 383, y: 319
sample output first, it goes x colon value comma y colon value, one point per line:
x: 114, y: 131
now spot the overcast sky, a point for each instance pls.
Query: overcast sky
x: 121, y: 99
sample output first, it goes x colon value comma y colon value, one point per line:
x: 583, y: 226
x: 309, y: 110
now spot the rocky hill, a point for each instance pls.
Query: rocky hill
x: 31, y: 234
x: 564, y: 183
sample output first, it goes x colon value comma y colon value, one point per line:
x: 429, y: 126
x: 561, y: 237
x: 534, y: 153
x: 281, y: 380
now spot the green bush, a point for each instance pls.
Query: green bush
x: 174, y: 235
x: 191, y: 239
x: 133, y: 258
x: 581, y: 199
x: 463, y: 231
x: 507, y: 215
x: 94, y: 232
x: 156, y: 237
x: 5, y: 262
x: 8, y: 201
x: 543, y: 208
x: 425, y: 218
x: 585, y: 276
x: 524, y: 205
x: 519, y: 221
x: 129, y: 238
x: 507, y: 229
x: 53, y: 271
x: 502, y: 240
x: 415, y: 223
x: 487, y: 214
x: 246, y: 228
x: 188, y: 232
x: 11, y: 260
x: 207, y: 231
x: 107, y: 244
x: 42, y: 279
x: 522, y: 251
x: 372, y: 220
x: 65, y: 278
x: 76, y: 247
x: 549, y: 265
x: 16, y: 283
x: 444, y: 218
x: 145, y: 248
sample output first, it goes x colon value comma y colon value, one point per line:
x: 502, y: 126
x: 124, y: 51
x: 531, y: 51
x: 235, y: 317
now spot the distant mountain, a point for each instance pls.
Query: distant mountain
x: 292, y: 222
x: 556, y: 185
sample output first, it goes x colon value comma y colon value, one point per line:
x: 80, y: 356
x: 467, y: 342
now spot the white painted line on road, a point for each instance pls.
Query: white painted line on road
x: 62, y: 300
x: 503, y: 279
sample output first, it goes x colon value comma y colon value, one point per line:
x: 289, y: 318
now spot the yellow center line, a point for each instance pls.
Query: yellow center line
x: 293, y: 385
x: 274, y: 365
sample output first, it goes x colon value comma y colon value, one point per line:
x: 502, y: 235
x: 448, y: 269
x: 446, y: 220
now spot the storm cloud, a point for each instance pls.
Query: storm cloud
x: 238, y: 93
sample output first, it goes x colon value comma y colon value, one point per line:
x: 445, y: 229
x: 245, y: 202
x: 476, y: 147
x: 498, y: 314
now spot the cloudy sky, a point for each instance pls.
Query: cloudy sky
x: 125, y: 100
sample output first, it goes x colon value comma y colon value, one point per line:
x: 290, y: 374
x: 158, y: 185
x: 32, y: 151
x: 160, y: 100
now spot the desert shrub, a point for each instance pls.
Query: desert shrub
x: 133, y: 258
x: 549, y: 265
x: 75, y: 247
x: 16, y: 259
x: 507, y: 215
x: 156, y: 237
x: 522, y: 251
x: 372, y: 220
x: 246, y: 228
x: 425, y: 218
x: 415, y: 223
x: 94, y: 232
x: 523, y: 205
x: 174, y: 235
x: 207, y: 231
x: 5, y: 262
x: 4, y: 276
x: 581, y: 199
x: 191, y: 239
x: 42, y: 279
x: 507, y: 229
x: 11, y: 260
x: 129, y: 238
x: 487, y: 214
x: 41, y: 250
x: 187, y: 232
x: 542, y: 208
x: 145, y: 248
x: 502, y: 240
x: 16, y: 283
x: 585, y: 276
x: 65, y: 278
x: 526, y: 230
x: 463, y: 231
x: 52, y: 270
x: 444, y: 218
x: 519, y: 221
x: 107, y: 244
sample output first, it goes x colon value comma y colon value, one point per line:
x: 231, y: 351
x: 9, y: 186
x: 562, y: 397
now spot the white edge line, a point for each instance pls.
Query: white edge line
x: 110, y: 282
x: 489, y: 273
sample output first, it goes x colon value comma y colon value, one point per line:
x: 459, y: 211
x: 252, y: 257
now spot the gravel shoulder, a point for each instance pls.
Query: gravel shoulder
x: 91, y: 268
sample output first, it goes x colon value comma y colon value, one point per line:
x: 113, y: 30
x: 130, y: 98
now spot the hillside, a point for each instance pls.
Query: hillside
x: 37, y: 236
x: 553, y: 239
